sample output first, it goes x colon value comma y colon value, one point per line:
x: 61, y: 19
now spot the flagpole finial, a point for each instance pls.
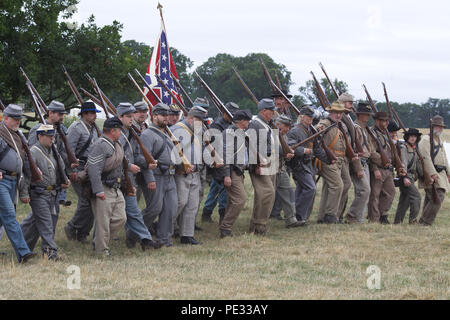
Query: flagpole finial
x: 159, y: 7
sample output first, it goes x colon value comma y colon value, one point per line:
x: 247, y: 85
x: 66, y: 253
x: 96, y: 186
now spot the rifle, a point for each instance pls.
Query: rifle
x: 36, y: 174
x: 134, y: 131
x: 186, y: 164
x: 358, y: 144
x: 283, y: 143
x: 77, y: 95
x: 180, y: 87
x: 277, y: 81
x: 216, y: 157
x: 326, y: 104
x: 433, y: 186
x: 392, y: 111
x: 330, y: 154
x: 371, y: 103
x: 61, y: 172
x: 247, y: 89
x: 267, y: 74
x: 260, y: 159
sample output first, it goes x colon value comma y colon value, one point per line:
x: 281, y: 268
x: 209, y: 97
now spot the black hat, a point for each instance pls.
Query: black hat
x: 412, y: 132
x: 363, y: 108
x: 161, y: 108
x: 277, y: 94
x: 112, y: 123
x: 307, y: 110
x: 88, y: 106
x: 393, y: 126
x: 381, y: 115
x: 242, y: 115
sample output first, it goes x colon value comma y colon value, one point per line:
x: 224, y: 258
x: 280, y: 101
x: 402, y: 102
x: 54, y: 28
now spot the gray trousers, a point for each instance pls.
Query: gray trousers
x: 409, y: 199
x: 431, y: 209
x: 188, y: 190
x: 41, y: 222
x: 283, y: 197
x: 304, y: 194
x: 83, y: 218
x: 358, y: 208
x: 161, y: 204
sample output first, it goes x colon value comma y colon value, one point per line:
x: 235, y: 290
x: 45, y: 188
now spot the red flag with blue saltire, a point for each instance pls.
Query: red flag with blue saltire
x: 162, y: 64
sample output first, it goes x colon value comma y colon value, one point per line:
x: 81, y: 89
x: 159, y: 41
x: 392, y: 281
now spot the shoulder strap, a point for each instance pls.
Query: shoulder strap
x: 161, y: 150
x: 48, y: 160
x: 87, y: 144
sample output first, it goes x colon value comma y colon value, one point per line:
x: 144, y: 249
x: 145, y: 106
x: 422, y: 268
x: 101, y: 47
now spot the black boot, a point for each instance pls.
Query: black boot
x: 189, y: 240
x: 384, y: 220
x: 206, y: 215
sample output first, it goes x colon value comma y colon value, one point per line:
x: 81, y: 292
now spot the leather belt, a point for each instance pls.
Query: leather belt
x: 9, y: 173
x: 339, y: 153
x: 48, y: 188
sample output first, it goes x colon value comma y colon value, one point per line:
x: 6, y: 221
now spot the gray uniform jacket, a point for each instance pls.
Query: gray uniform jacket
x: 235, y: 146
x: 160, y: 146
x: 103, y: 149
x: 11, y: 161
x: 191, y: 144
x: 304, y: 162
x: 132, y: 152
x: 409, y: 159
x: 77, y: 136
x: 32, y: 140
x: 46, y: 162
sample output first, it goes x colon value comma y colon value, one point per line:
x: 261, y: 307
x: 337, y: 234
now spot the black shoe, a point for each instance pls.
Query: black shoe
x: 206, y: 216
x: 197, y: 228
x: 225, y: 233
x: 296, y: 224
x: 27, y: 257
x: 320, y: 222
x: 51, y: 254
x: 189, y: 240
x: 82, y: 239
x: 147, y: 244
x: 69, y: 233
x: 130, y: 243
x: 329, y: 219
x: 384, y: 220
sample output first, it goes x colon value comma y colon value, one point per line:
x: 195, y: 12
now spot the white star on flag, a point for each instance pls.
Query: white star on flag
x: 166, y: 94
x: 165, y: 81
x: 163, y: 45
x: 164, y: 70
x: 164, y: 57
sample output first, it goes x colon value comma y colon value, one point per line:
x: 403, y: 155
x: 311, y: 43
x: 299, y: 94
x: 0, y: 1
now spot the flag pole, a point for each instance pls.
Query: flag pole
x: 160, y: 7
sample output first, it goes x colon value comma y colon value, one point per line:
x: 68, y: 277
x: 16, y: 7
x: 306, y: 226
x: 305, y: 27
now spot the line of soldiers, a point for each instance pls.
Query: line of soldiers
x: 173, y: 190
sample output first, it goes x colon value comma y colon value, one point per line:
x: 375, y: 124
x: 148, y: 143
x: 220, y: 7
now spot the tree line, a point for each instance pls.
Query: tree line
x: 36, y: 38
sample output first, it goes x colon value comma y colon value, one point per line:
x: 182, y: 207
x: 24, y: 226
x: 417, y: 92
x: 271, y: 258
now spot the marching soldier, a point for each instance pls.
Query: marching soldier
x: 302, y: 167
x: 81, y: 135
x: 174, y: 114
x: 437, y: 167
x: 188, y: 183
x: 161, y: 191
x: 236, y: 156
x: 135, y: 226
x: 14, y: 169
x: 409, y: 194
x: 263, y: 178
x: 361, y: 180
x: 140, y: 121
x: 105, y: 170
x: 283, y: 187
x: 56, y: 113
x: 41, y: 222
x: 333, y: 184
x: 382, y: 179
x: 354, y: 168
x: 282, y: 106
x: 217, y: 192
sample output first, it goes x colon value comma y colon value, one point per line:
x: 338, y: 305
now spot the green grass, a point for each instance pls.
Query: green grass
x: 315, y: 262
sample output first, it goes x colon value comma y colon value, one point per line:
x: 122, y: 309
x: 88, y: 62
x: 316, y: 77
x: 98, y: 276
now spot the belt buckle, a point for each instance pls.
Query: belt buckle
x: 13, y: 174
x: 49, y: 188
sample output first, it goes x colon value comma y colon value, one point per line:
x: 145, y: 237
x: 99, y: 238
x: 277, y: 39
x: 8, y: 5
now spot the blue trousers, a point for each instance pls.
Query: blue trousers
x: 135, y: 221
x: 217, y: 194
x: 8, y: 217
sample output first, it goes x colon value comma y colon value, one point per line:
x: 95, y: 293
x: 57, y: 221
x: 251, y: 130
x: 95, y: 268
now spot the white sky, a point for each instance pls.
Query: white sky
x: 405, y: 44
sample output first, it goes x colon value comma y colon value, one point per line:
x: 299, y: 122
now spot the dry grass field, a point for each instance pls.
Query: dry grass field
x: 314, y: 262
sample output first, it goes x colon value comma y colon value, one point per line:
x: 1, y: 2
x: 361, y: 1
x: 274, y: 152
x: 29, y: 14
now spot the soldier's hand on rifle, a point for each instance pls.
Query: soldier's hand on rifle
x: 1, y: 175
x: 307, y: 151
x: 219, y: 164
x: 66, y: 186
x: 153, y: 166
x: 434, y: 177
x: 227, y: 182
x: 356, y: 157
x: 101, y: 196
x: 258, y: 170
x: 73, y: 176
x: 25, y: 200
x: 74, y: 165
x: 377, y: 174
x: 151, y: 186
x: 360, y: 174
x: 402, y: 172
x: 406, y: 182
x: 133, y: 194
x: 190, y: 170
x: 135, y: 169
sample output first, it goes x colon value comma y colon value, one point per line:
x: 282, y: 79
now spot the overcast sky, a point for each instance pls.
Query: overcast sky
x: 406, y: 44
